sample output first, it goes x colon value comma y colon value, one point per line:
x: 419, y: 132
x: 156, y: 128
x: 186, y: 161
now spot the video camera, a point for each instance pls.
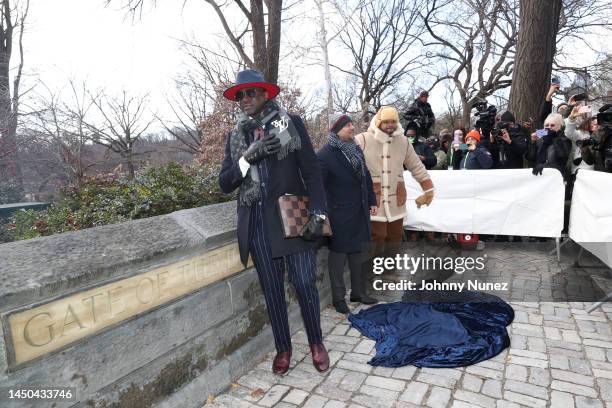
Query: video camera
x: 486, y: 117
x: 497, y: 130
x: 604, y: 117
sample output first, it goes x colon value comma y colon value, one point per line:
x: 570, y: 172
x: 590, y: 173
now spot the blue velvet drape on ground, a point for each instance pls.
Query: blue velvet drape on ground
x: 436, y: 334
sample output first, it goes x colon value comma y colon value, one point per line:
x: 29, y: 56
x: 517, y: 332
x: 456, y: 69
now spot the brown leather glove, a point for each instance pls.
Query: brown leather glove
x: 425, y: 198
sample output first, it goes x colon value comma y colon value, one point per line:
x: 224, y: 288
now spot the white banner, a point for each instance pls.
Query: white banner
x: 497, y: 202
x: 591, y: 214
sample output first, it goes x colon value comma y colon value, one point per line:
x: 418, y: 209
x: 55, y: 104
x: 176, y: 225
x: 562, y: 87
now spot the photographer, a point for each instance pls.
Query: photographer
x: 604, y: 120
x: 579, y: 127
x: 485, y: 121
x: 549, y: 147
x: 421, y: 114
x: 508, y: 144
x: 421, y: 148
x: 546, y: 107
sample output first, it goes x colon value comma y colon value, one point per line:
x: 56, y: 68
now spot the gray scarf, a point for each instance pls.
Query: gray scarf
x: 275, y: 121
x: 351, y: 151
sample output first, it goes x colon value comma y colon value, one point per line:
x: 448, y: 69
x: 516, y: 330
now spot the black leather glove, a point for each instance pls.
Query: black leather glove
x: 313, y: 228
x: 537, y: 169
x: 260, y: 149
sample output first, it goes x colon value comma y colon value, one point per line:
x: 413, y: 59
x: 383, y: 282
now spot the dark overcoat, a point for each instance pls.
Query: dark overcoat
x: 298, y: 173
x: 349, y: 198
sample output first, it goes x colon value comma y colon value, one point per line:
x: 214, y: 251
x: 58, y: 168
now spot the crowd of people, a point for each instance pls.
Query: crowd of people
x: 571, y: 139
x: 355, y: 186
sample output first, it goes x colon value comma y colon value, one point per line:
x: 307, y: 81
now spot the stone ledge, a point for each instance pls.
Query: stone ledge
x: 42, y: 268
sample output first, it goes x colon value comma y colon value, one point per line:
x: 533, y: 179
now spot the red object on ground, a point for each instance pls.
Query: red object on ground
x: 467, y: 241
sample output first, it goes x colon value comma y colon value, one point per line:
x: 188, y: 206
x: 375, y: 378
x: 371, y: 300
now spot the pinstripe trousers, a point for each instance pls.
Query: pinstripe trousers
x: 301, y: 269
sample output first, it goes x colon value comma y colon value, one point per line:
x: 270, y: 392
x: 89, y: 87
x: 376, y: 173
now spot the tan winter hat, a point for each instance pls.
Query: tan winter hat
x: 386, y: 113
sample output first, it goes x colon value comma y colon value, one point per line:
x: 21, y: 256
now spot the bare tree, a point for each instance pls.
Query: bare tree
x: 602, y: 87
x: 380, y: 38
x: 472, y: 41
x: 258, y: 40
x: 12, y: 19
x: 324, y: 44
x: 452, y: 116
x: 188, y: 107
x: 123, y: 121
x: 264, y: 26
x: 345, y: 97
x: 536, y: 42
x: 550, y: 34
x: 578, y: 20
x: 60, y: 123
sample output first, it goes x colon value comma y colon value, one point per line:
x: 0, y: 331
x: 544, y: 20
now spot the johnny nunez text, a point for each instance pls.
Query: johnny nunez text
x: 405, y: 284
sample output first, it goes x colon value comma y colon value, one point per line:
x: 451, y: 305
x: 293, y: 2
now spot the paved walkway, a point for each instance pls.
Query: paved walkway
x: 560, y: 356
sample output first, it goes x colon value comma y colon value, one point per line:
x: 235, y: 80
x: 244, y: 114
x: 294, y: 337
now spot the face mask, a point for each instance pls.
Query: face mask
x: 411, y: 139
x: 552, y: 133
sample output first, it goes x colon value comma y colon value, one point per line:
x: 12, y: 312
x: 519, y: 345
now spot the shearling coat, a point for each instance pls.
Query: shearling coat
x: 386, y: 155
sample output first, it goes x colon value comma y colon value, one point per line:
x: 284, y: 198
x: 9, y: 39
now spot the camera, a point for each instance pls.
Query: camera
x: 604, y: 117
x: 433, y: 142
x: 486, y: 117
x: 497, y: 130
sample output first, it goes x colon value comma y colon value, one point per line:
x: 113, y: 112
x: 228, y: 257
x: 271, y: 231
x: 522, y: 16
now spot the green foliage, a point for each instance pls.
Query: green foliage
x: 106, y: 200
x: 10, y: 191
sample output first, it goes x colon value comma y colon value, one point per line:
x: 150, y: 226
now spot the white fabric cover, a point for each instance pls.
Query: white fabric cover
x: 500, y: 202
x: 591, y: 214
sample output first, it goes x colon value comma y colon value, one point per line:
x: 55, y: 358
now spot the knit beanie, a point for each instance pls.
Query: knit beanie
x: 473, y: 133
x: 507, y: 116
x: 411, y: 126
x: 386, y: 113
x: 338, y: 121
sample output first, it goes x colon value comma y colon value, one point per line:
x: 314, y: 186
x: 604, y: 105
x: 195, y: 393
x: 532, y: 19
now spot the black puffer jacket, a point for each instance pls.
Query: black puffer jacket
x: 551, y: 151
x: 510, y: 156
x: 421, y: 148
x: 423, y: 109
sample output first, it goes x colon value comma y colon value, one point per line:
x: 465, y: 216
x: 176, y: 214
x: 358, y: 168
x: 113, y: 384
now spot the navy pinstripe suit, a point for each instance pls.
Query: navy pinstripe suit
x: 259, y: 233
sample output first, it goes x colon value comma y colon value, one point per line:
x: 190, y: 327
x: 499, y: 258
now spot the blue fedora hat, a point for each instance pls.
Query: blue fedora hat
x: 250, y: 78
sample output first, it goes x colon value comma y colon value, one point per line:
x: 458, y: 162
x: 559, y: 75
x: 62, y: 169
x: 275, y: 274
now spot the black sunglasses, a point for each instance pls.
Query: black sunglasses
x: 251, y: 93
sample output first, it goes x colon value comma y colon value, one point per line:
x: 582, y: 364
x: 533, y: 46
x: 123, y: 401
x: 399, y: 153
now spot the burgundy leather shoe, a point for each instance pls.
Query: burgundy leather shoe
x: 281, y: 362
x: 320, y: 358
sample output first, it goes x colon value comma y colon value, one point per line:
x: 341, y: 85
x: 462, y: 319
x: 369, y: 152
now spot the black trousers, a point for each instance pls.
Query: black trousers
x: 336, y: 261
x: 301, y: 268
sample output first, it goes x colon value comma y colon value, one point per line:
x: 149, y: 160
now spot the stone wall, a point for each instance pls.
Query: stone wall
x: 192, y: 322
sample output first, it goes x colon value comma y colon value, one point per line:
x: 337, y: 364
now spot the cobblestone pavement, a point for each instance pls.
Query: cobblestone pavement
x: 560, y: 356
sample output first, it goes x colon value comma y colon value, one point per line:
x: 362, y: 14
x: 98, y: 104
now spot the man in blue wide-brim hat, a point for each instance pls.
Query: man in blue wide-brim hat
x: 268, y: 154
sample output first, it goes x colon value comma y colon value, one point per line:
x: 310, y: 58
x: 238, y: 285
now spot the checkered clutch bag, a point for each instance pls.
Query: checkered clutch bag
x: 294, y: 215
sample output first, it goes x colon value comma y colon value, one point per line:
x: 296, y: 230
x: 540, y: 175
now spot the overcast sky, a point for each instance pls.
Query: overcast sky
x: 85, y: 40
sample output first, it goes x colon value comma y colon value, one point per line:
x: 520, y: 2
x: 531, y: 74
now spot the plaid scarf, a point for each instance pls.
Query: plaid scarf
x: 274, y: 121
x: 352, y: 152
